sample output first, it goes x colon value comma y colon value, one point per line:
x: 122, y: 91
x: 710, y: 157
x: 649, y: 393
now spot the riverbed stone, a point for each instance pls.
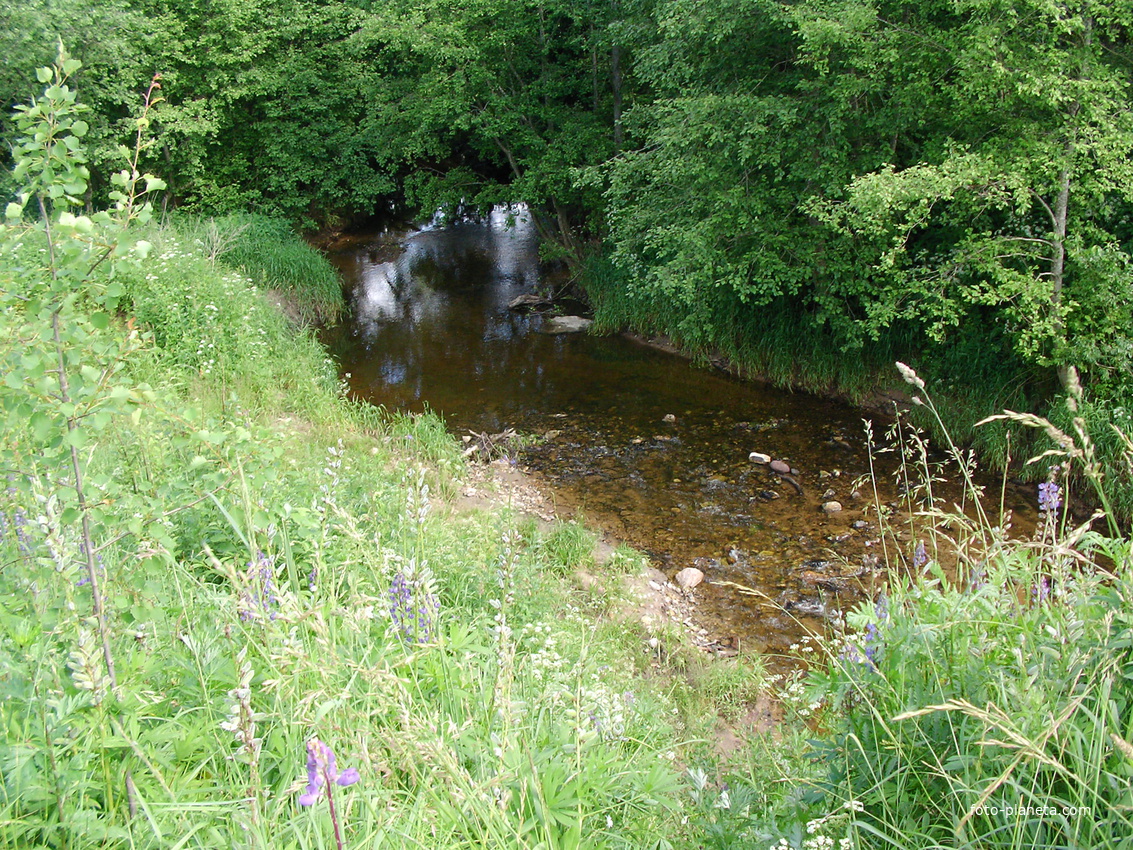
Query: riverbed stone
x: 669, y: 418
x: 832, y: 507
x: 759, y: 457
x: 567, y: 325
x: 781, y: 467
x: 688, y: 578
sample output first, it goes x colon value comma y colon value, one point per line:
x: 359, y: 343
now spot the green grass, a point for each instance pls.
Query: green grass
x: 981, y: 702
x: 279, y: 564
x: 269, y: 252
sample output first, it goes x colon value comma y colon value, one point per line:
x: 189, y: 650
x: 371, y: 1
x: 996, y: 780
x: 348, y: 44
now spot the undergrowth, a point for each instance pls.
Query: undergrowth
x: 983, y: 699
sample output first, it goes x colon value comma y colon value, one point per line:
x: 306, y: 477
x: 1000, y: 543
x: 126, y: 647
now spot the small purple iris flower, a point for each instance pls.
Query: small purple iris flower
x: 323, y: 770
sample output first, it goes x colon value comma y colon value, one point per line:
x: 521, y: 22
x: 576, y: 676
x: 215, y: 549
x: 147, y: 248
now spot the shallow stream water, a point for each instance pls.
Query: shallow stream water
x: 647, y: 446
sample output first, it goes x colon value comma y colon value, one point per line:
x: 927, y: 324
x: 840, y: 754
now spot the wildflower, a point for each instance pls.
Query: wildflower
x: 99, y: 565
x: 23, y: 539
x: 1041, y: 591
x: 881, y: 609
x: 1050, y: 497
x: 259, y: 597
x: 323, y: 770
x: 241, y: 720
x: 920, y: 556
x: 412, y: 609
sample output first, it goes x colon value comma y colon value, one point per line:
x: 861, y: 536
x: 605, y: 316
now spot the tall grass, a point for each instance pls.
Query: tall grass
x: 983, y: 700
x: 279, y: 566
x: 269, y: 252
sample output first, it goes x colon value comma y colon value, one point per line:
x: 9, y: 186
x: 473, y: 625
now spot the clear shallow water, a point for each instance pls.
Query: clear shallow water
x: 431, y: 329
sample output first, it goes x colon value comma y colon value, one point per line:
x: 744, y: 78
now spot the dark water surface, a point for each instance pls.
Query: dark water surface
x: 431, y: 328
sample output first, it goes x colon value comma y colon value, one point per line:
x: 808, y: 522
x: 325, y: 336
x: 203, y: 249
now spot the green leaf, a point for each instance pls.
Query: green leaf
x: 77, y: 438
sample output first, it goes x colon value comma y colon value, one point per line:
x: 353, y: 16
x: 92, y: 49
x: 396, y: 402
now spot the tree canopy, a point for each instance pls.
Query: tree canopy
x: 948, y: 181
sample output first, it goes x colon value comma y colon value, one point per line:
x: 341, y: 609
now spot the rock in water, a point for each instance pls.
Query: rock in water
x: 832, y: 507
x: 780, y: 467
x: 567, y: 325
x: 759, y: 457
x: 688, y: 578
x: 528, y: 301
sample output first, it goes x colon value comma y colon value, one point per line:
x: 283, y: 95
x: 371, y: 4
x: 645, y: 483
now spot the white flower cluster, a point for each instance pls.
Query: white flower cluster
x: 542, y: 657
x: 818, y: 831
x: 793, y: 693
x: 592, y: 706
x: 600, y: 710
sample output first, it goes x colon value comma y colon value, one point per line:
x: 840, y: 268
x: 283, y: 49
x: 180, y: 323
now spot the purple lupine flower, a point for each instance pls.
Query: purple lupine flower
x: 23, y: 539
x: 412, y: 611
x: 871, y: 643
x: 99, y: 565
x: 920, y: 555
x: 259, y: 598
x: 881, y: 608
x: 1050, y: 497
x: 865, y: 652
x: 853, y: 654
x: 322, y: 769
x: 978, y: 579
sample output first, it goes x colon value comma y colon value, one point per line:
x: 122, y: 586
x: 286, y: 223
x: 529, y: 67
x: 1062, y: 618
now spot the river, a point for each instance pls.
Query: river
x: 647, y: 446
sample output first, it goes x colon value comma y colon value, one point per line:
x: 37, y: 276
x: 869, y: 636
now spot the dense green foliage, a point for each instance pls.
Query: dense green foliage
x: 811, y: 187
x: 947, y: 183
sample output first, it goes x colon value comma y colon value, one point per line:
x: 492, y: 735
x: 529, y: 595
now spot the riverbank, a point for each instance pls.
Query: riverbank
x: 281, y: 566
x: 288, y: 575
x: 881, y: 401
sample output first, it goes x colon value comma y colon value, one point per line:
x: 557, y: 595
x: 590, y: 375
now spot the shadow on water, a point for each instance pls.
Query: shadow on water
x: 647, y: 446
